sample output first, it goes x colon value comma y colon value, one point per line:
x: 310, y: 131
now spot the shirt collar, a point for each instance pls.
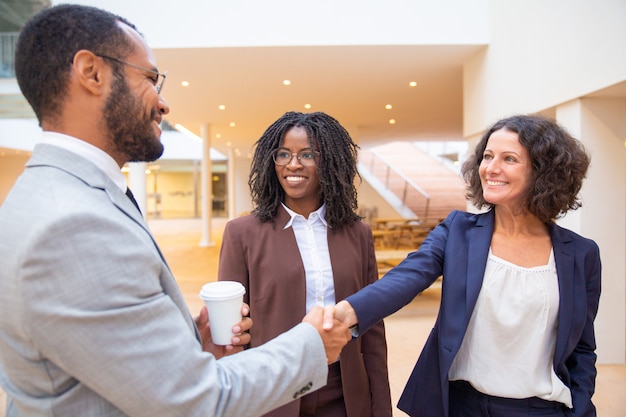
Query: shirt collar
x: 321, y: 213
x: 97, y: 156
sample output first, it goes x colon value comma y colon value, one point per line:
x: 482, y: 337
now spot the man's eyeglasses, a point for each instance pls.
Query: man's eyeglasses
x: 158, y: 81
x: 307, y: 158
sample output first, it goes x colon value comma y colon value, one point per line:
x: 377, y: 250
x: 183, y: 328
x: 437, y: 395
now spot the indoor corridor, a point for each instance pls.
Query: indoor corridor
x: 406, y: 330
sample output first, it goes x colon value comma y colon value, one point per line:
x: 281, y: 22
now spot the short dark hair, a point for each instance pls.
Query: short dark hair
x: 336, y: 170
x: 559, y: 166
x: 47, y: 44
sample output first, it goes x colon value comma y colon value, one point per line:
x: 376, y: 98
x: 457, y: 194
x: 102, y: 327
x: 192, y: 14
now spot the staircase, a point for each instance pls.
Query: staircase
x: 401, y: 167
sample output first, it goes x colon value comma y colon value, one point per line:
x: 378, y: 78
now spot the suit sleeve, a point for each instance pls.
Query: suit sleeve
x: 97, y: 313
x: 405, y: 281
x: 374, y: 348
x: 581, y: 363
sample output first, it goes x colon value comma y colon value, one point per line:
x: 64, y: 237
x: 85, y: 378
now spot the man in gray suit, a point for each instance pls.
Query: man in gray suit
x: 92, y: 322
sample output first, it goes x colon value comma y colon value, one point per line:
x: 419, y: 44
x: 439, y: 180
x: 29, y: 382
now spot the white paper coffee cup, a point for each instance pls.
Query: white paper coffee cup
x: 223, y: 300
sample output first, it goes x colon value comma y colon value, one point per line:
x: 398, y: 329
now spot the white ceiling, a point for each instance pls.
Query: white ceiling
x: 351, y: 83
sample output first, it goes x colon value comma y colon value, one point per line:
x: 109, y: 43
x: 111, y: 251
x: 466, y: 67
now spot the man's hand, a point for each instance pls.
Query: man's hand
x: 240, y: 335
x: 334, y: 333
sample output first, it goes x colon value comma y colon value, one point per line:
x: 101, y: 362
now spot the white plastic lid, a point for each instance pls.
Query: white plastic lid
x: 222, y: 290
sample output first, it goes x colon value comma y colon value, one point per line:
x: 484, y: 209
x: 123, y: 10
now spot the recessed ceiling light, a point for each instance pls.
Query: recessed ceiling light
x: 232, y: 124
x: 392, y: 121
x: 185, y: 83
x: 286, y: 82
x: 412, y: 84
x: 388, y: 106
x: 307, y: 106
x: 218, y: 135
x: 221, y: 107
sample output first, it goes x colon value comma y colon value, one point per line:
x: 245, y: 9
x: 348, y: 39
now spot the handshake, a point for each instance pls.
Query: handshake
x: 333, y: 324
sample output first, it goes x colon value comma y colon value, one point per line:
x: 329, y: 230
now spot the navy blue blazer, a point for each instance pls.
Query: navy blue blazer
x: 457, y: 249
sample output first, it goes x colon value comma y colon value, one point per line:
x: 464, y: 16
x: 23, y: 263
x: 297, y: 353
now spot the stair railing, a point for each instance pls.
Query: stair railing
x: 412, y: 195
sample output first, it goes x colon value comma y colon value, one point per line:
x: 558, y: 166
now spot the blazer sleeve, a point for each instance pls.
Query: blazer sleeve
x: 405, y: 281
x: 131, y: 346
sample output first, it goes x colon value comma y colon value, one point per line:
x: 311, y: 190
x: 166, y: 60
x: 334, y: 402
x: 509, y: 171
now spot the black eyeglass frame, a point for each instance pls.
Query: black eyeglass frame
x: 158, y: 84
x: 298, y: 156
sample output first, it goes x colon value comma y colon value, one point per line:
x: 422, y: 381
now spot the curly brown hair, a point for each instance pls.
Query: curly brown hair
x: 336, y: 169
x: 559, y: 166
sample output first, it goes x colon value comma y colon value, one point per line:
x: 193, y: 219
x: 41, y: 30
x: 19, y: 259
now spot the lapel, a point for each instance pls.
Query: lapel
x: 284, y: 241
x: 564, y: 258
x: 479, y: 241
x: 338, y: 240
x: 83, y: 169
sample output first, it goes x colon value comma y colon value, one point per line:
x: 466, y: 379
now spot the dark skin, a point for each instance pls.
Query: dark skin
x: 240, y: 335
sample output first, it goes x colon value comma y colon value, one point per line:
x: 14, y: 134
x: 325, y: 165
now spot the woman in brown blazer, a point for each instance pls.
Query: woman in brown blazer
x: 304, y: 245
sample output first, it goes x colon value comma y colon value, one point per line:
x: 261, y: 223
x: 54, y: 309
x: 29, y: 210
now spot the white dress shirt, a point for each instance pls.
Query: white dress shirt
x: 97, y: 156
x: 311, y: 236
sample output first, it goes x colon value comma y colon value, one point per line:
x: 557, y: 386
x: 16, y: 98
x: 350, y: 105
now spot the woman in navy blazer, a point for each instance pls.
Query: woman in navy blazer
x: 514, y: 335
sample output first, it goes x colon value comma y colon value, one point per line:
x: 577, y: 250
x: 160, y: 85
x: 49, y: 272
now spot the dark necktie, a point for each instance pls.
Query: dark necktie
x: 130, y: 195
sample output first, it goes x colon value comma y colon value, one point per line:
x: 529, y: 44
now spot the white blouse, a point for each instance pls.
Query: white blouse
x: 508, y: 348
x: 311, y: 237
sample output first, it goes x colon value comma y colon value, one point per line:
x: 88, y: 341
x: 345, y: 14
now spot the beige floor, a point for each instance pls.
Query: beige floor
x: 406, y: 330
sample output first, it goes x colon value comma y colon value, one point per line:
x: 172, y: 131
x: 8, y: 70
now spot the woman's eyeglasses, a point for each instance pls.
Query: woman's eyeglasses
x: 307, y: 158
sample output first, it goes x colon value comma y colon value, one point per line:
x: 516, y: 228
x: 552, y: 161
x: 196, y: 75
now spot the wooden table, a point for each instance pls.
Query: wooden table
x: 385, y: 239
x: 388, y: 258
x: 392, y: 255
x: 387, y: 223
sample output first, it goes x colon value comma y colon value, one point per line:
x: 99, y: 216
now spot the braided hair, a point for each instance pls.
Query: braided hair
x: 336, y: 167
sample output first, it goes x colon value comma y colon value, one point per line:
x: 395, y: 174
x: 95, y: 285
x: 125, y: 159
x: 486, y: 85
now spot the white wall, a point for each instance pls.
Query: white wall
x: 196, y: 23
x: 601, y: 125
x: 543, y: 53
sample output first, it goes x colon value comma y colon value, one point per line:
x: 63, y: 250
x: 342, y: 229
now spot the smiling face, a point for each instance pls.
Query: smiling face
x: 134, y: 108
x: 300, y: 183
x: 505, y: 170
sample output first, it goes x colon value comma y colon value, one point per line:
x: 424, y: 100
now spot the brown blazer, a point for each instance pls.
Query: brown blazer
x: 265, y: 258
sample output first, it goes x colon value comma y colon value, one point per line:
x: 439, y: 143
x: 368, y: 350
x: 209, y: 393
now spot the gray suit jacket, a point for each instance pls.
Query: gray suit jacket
x: 93, y: 323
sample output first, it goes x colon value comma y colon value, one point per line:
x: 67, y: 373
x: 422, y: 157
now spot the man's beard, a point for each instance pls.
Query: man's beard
x: 132, y: 134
